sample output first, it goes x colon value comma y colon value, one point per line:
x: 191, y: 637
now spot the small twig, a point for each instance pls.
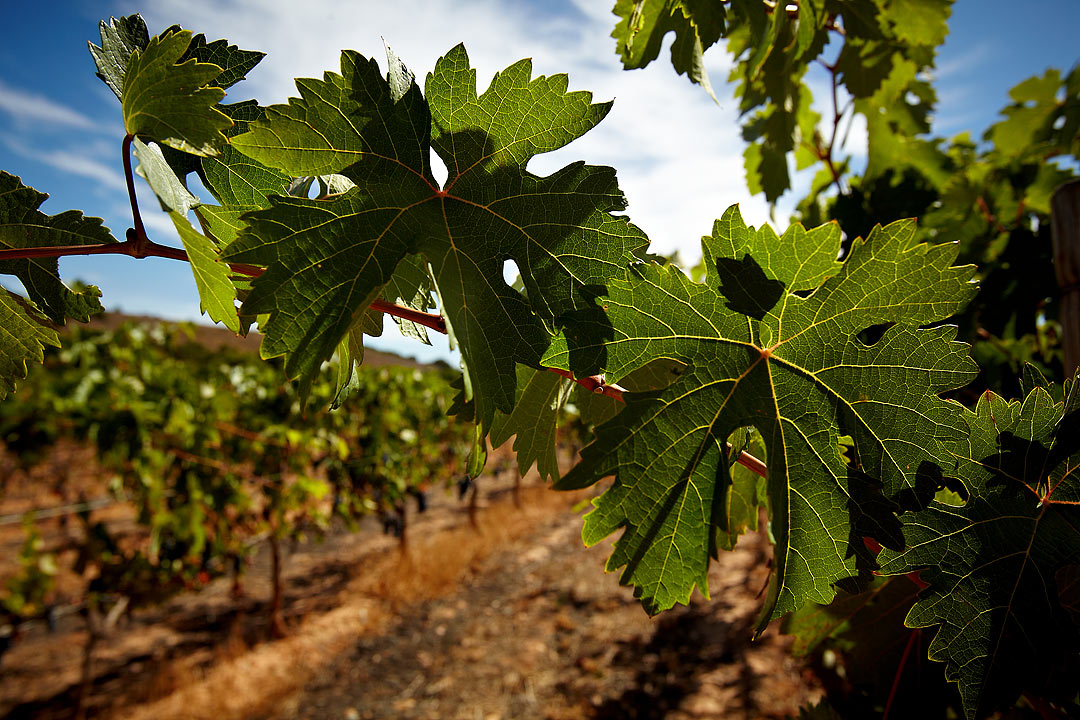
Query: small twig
x: 989, y: 216
x: 899, y: 672
x: 838, y: 115
x: 431, y: 321
x: 139, y: 239
x: 56, y: 511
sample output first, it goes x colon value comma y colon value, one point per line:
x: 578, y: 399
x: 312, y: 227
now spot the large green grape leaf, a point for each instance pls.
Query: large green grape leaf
x: 772, y: 340
x: 992, y: 563
x: 327, y: 259
x: 168, y: 101
x: 22, y: 225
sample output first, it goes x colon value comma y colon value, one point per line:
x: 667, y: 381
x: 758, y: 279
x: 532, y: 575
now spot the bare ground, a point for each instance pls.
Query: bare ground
x: 515, y: 619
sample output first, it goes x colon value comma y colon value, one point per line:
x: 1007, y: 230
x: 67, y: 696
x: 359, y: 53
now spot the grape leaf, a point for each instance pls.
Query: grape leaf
x: 737, y: 511
x: 235, y: 63
x: 771, y: 340
x: 642, y: 26
x: 217, y: 294
x: 154, y: 168
x: 328, y: 258
x: 24, y: 337
x: 534, y: 420
x: 410, y: 286
x: 1029, y: 118
x: 22, y: 225
x: 235, y: 179
x: 918, y: 22
x: 350, y: 354
x: 992, y: 563
x: 222, y: 224
x: 119, y: 39
x: 168, y: 102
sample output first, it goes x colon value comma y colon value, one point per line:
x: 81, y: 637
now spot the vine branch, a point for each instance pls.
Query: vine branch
x: 596, y: 384
x: 826, y: 153
x: 138, y: 245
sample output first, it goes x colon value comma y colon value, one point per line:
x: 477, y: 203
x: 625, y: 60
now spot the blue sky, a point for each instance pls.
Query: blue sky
x: 678, y: 155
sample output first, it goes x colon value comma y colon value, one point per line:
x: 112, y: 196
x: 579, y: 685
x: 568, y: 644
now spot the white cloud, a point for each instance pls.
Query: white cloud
x: 973, y: 59
x: 83, y: 163
x: 84, y: 166
x: 29, y: 109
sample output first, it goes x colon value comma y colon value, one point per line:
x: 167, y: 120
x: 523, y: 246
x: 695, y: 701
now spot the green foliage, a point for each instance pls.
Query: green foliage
x: 212, y: 276
x: 992, y: 563
x: 119, y: 39
x: 534, y: 421
x: 210, y: 449
x: 771, y: 340
x: 832, y: 370
x: 25, y: 592
x: 993, y: 200
x: 30, y: 333
x: 558, y: 229
x: 22, y: 225
x: 168, y: 100
x: 884, y: 49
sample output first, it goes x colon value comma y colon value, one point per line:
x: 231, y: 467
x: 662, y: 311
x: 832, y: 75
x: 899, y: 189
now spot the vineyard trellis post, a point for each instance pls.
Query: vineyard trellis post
x: 1065, y: 218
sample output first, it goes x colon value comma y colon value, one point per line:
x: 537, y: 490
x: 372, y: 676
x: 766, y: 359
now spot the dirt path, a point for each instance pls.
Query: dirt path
x: 540, y: 631
x: 517, y: 620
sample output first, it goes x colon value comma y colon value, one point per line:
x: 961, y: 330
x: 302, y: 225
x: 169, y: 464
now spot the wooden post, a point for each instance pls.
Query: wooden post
x: 1065, y: 226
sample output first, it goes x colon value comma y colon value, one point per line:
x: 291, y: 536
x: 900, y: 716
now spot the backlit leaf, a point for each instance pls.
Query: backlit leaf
x: 771, y: 340
x: 993, y: 563
x: 22, y: 225
x: 119, y: 38
x: 168, y: 102
x: 217, y: 294
x: 24, y: 333
x: 328, y: 259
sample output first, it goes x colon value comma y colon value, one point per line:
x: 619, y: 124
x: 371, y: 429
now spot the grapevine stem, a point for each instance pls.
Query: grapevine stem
x: 899, y: 672
x: 137, y: 238
x: 838, y: 115
x: 596, y: 384
x: 139, y: 245
x: 431, y: 321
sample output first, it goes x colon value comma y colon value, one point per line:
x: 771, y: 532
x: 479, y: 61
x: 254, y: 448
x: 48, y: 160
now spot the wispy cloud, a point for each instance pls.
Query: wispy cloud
x: 28, y: 108
x: 971, y: 60
x: 81, y: 163
x: 78, y: 164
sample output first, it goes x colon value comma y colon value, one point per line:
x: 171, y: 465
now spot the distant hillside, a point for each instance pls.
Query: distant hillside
x: 214, y: 338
